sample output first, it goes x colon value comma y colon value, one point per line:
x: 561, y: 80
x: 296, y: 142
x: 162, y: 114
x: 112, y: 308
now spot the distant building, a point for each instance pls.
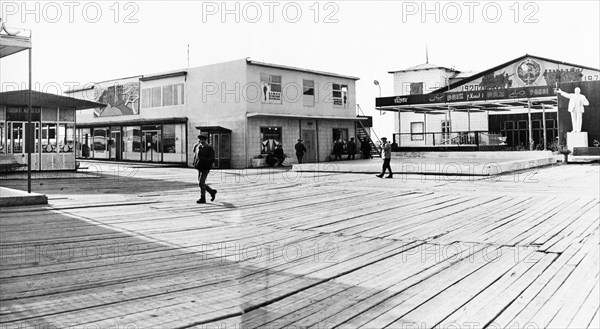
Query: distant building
x: 464, y: 109
x: 246, y: 108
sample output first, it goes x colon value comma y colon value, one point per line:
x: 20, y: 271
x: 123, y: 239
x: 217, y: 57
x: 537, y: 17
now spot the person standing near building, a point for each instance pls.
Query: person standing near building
x: 300, y: 150
x: 365, y: 148
x: 351, y: 147
x: 204, y: 157
x: 387, y: 157
x: 279, y: 155
x: 338, y: 149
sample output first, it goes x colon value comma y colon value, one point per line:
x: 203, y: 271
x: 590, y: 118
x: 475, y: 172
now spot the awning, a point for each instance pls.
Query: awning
x: 134, y: 122
x: 298, y: 116
x: 213, y: 129
x: 483, y: 100
x: 38, y: 99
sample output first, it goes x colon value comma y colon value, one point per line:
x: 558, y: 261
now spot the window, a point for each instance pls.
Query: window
x: 167, y: 95
x: 66, y: 138
x: 100, y: 139
x: 340, y: 134
x: 340, y: 95
x: 132, y: 140
x: 271, y: 88
x: 146, y: 98
x: 178, y: 95
x: 156, y: 99
x: 48, y: 137
x: 270, y: 137
x: 416, y: 131
x: 416, y: 88
x: 445, y: 130
x: 308, y: 92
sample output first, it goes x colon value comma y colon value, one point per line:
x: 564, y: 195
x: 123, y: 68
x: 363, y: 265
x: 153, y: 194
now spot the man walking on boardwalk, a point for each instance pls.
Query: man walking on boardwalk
x: 300, y: 150
x: 387, y: 157
x: 204, y: 157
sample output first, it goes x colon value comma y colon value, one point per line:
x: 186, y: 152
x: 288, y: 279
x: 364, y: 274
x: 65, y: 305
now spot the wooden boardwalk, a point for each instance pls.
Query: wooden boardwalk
x: 125, y: 247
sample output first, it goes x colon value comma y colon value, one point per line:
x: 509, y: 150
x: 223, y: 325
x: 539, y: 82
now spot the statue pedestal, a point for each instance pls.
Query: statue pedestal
x: 577, y: 140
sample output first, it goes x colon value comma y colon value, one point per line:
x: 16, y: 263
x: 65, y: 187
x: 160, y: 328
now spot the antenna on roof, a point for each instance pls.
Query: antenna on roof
x: 426, y: 55
x: 188, y: 56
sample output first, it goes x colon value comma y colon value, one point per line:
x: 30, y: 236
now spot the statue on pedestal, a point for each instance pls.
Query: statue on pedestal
x: 576, y: 103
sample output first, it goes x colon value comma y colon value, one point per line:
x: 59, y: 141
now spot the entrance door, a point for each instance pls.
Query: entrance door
x: 115, y: 145
x: 308, y: 139
x: 151, y: 146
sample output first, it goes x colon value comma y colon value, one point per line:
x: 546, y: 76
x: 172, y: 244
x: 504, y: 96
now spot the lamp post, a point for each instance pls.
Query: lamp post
x: 375, y: 82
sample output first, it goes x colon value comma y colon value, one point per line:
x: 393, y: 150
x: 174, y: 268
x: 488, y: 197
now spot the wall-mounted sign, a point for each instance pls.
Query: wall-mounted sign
x: 466, y: 96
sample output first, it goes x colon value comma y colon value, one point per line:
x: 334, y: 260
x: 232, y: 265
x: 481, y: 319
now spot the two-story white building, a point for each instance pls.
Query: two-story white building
x: 246, y: 107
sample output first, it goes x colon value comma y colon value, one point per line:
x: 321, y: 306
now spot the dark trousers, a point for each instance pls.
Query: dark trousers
x: 367, y: 155
x: 299, y: 156
x: 350, y: 156
x: 202, y: 175
x: 386, y: 165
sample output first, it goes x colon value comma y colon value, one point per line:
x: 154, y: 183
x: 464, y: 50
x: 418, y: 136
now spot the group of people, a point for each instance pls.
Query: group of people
x: 204, y: 158
x: 351, y: 148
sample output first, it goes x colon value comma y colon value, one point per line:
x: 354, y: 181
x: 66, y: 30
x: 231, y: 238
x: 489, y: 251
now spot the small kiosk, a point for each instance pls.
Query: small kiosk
x: 50, y: 137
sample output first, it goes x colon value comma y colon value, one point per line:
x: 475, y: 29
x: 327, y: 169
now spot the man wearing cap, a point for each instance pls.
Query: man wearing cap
x: 204, y: 157
x: 386, y: 154
x: 300, y: 150
x: 351, y: 148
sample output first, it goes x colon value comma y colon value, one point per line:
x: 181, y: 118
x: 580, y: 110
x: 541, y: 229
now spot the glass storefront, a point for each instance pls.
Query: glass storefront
x: 147, y: 143
x: 52, y: 140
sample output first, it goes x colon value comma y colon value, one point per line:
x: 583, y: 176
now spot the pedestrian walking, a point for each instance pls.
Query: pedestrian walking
x: 387, y: 157
x: 300, y: 150
x: 204, y: 157
x: 351, y: 148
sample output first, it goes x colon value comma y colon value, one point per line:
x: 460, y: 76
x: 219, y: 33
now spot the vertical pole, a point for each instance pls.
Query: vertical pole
x: 544, y: 124
x: 530, y: 127
x: 31, y: 132
x: 425, y: 127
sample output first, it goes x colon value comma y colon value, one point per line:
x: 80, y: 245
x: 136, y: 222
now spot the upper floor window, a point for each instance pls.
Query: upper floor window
x: 308, y: 92
x: 162, y: 96
x: 340, y: 95
x: 271, y: 88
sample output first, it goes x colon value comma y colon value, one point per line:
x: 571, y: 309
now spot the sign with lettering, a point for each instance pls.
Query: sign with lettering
x: 22, y: 113
x: 466, y: 96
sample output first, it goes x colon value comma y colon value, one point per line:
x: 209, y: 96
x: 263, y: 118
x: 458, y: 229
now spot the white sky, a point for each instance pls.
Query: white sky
x: 365, y: 38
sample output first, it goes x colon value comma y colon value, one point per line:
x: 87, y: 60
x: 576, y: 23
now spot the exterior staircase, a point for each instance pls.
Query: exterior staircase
x: 362, y: 132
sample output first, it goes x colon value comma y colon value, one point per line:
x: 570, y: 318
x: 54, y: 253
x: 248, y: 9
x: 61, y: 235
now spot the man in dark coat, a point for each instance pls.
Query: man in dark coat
x: 300, y: 150
x: 338, y: 149
x: 279, y: 155
x: 351, y: 147
x: 204, y: 157
x: 365, y: 147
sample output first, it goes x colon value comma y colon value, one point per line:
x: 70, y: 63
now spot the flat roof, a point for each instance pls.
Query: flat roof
x: 292, y: 68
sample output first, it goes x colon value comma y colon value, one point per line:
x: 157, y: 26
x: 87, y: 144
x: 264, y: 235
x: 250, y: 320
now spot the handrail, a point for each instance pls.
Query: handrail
x: 360, y: 111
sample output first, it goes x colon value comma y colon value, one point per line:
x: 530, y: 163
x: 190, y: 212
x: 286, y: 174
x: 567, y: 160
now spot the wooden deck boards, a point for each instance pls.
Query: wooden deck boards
x: 312, y: 250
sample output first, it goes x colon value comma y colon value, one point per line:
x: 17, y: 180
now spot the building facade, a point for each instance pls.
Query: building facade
x: 246, y: 108
x: 511, y: 120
